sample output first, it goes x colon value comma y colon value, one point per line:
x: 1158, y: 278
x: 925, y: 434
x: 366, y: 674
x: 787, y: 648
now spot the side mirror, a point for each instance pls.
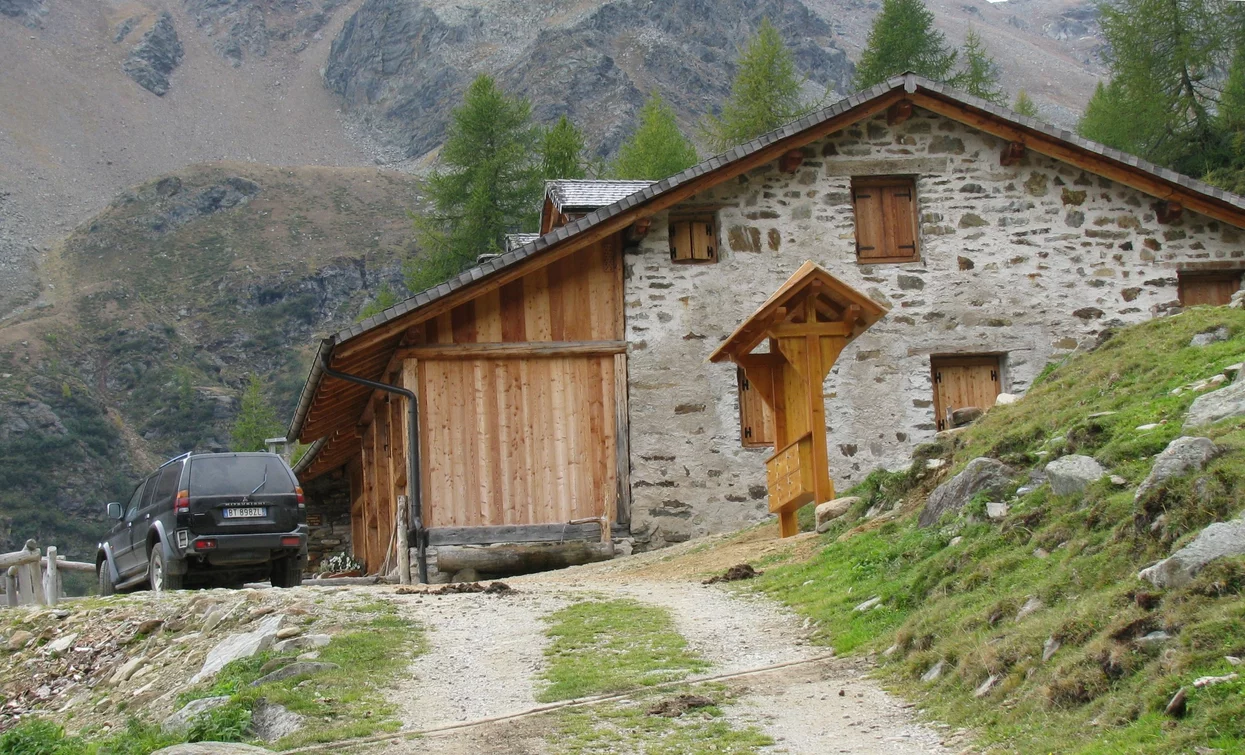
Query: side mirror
x: 115, y: 511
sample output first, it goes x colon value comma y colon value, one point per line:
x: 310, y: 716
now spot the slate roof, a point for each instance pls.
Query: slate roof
x: 516, y: 240
x: 646, y: 192
x: 568, y: 194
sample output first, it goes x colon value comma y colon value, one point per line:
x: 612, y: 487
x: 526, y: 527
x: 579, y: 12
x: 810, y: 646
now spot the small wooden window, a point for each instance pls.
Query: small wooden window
x: 964, y: 381
x: 693, y: 240
x: 756, y: 420
x: 886, y: 219
x: 1211, y: 287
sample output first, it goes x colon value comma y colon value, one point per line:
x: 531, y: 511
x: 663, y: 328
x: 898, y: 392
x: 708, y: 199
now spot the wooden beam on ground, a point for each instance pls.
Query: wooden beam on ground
x: 519, y: 533
x: 504, y: 560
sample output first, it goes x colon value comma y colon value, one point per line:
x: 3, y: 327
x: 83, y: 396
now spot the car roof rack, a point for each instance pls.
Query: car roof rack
x: 176, y: 458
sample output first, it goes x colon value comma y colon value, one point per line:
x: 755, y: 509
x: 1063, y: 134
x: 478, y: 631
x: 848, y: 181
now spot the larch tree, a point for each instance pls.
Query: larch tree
x: 764, y: 95
x: 1230, y: 120
x: 1024, y: 105
x: 489, y: 185
x: 980, y: 73
x: 562, y: 151
x: 903, y: 38
x: 257, y: 420
x: 657, y: 148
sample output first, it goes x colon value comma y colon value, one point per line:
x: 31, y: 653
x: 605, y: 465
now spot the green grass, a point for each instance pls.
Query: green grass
x: 1101, y: 692
x: 602, y: 646
x: 627, y: 727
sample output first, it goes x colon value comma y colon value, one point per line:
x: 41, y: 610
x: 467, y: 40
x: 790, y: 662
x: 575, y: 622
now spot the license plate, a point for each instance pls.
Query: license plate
x: 245, y: 512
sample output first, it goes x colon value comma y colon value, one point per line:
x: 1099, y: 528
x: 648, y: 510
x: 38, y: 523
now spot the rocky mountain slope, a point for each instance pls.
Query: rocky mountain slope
x: 166, y: 302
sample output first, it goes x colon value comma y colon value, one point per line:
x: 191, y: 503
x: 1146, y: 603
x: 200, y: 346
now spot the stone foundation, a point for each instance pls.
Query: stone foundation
x: 328, y: 517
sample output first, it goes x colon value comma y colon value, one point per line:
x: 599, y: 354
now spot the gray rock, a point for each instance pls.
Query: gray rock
x: 271, y: 721
x: 1049, y: 648
x: 1031, y: 606
x: 1154, y: 638
x: 212, y: 748
x: 1226, y: 403
x: 61, y: 644
x: 300, y: 668
x: 1216, y: 541
x: 868, y: 604
x: 827, y: 512
x: 984, y: 688
x: 934, y: 671
x: 996, y: 511
x: 1182, y: 456
x: 1070, y: 475
x: 238, y: 646
x: 155, y: 56
x: 1211, y: 336
x: 305, y: 642
x: 182, y: 719
x: 982, y: 475
x: 19, y: 639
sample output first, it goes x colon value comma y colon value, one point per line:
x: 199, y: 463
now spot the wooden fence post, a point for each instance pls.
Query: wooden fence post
x: 10, y: 587
x: 30, y: 579
x: 51, y: 579
x: 404, y: 547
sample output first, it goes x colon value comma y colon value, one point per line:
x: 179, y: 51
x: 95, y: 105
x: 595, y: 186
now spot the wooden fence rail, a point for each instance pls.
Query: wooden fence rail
x: 31, y: 578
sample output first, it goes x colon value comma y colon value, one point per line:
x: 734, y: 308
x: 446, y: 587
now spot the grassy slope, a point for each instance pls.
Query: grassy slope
x: 1101, y: 691
x: 152, y: 321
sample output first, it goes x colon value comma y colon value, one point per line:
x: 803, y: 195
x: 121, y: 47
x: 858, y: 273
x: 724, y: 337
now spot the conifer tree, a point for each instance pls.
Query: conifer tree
x: 903, y: 38
x: 980, y: 74
x: 1230, y: 121
x: 490, y: 184
x: 257, y: 420
x: 657, y: 148
x: 764, y: 95
x: 1024, y: 105
x: 562, y: 151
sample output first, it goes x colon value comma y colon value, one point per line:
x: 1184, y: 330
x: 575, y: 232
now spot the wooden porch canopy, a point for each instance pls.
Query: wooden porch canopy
x: 808, y: 321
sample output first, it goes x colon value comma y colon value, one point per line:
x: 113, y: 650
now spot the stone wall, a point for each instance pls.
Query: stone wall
x: 1027, y: 261
x: 328, y: 517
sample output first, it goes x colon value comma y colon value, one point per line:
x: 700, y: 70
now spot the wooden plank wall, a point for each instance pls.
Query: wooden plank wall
x: 518, y: 441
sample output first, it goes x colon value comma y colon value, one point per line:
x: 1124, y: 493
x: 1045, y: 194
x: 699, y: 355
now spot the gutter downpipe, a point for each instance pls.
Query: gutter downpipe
x: 412, y: 461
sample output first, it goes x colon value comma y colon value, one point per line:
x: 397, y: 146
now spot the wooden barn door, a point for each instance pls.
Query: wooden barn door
x: 1214, y: 288
x: 518, y: 440
x: 965, y: 381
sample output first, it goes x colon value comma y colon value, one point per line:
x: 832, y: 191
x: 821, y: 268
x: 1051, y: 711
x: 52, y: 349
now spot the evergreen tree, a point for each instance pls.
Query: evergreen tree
x: 764, y: 95
x: 257, y: 420
x: 657, y: 148
x: 490, y: 186
x: 1024, y: 105
x: 1230, y: 120
x: 562, y: 151
x: 903, y: 38
x: 980, y: 74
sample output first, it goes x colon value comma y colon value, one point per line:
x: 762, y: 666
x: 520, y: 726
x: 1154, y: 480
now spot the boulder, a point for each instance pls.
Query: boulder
x: 19, y: 639
x: 182, y: 719
x: 830, y: 510
x: 212, y: 748
x: 1226, y: 403
x: 128, y: 670
x: 1214, y: 335
x: 301, y: 668
x: 982, y: 475
x: 934, y: 671
x: 61, y: 644
x: 237, y: 646
x: 271, y: 721
x: 1070, y: 475
x: 996, y: 512
x: 1182, y: 456
x: 1216, y: 541
x: 303, y: 642
x: 1004, y: 399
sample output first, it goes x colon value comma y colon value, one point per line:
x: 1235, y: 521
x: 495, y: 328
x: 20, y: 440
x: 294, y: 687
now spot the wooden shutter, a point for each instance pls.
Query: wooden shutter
x: 1215, y: 289
x: 886, y: 229
x: 693, y: 240
x: 756, y: 421
x: 965, y: 381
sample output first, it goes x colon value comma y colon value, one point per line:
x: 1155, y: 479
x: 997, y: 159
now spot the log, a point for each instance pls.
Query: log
x: 510, y: 560
x: 404, y: 549
x: 10, y: 587
x: 19, y: 558
x: 51, y: 578
x: 79, y: 566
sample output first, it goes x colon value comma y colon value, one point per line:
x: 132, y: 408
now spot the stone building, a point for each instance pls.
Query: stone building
x: 997, y: 242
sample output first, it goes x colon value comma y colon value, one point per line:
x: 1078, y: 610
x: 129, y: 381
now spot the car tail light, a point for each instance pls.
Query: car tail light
x: 302, y: 501
x: 292, y: 540
x: 183, y: 502
x: 205, y: 545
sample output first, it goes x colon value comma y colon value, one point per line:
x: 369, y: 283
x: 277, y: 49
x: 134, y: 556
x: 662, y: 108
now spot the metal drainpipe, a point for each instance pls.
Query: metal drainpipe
x: 412, y: 456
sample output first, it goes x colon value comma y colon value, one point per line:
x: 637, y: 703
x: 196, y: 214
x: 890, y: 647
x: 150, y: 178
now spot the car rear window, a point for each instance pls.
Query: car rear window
x: 238, y: 475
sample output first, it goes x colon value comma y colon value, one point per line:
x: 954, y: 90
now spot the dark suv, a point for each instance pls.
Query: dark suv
x: 208, y: 519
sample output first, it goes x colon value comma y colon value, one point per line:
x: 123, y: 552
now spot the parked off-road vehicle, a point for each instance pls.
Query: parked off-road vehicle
x: 208, y: 519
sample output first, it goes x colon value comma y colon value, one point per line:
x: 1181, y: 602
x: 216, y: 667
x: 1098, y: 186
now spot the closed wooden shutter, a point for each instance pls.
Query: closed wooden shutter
x: 965, y: 381
x: 1214, y: 289
x: 693, y: 240
x: 756, y: 420
x: 886, y: 229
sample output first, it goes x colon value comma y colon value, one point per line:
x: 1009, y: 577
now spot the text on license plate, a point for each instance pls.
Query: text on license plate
x: 245, y: 512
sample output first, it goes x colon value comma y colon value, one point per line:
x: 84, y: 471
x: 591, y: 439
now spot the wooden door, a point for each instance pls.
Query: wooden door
x: 961, y: 382
x: 517, y: 441
x: 1215, y: 288
x: 756, y: 420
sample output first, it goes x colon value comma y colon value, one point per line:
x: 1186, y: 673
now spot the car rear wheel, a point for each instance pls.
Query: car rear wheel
x: 106, y: 587
x: 286, y: 572
x: 158, y: 575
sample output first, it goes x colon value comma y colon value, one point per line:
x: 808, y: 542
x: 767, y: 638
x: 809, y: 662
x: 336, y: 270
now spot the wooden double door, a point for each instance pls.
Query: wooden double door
x: 964, y: 381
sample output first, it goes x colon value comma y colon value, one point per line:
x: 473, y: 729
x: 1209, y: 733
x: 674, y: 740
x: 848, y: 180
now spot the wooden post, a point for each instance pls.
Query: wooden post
x: 404, y: 546
x: 51, y: 578
x: 622, y: 431
x: 10, y: 587
x: 30, y: 578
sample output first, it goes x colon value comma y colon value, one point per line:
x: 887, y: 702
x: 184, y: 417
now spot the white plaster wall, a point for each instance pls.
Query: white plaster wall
x: 1028, y: 261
